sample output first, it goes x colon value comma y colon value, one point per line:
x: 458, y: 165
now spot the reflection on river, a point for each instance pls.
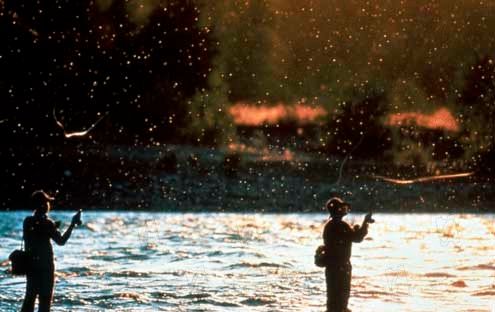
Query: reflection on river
x: 126, y: 261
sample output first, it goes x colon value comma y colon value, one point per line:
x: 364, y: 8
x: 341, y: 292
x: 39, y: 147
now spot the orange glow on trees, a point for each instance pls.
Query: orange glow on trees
x: 255, y: 115
x: 441, y: 119
x: 251, y: 115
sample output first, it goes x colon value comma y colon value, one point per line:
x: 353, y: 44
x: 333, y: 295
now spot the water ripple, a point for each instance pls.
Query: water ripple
x: 129, y: 261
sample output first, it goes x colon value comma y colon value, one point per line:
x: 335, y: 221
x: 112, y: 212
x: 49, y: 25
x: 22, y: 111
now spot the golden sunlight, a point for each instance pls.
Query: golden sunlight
x: 257, y: 115
x: 441, y: 119
x: 251, y: 115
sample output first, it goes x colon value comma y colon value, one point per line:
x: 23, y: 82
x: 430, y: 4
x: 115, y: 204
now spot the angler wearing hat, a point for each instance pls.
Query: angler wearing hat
x: 338, y: 237
x: 38, y: 230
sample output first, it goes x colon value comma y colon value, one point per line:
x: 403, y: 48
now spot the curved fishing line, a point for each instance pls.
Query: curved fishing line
x: 82, y: 133
x: 339, y: 178
x: 423, y: 179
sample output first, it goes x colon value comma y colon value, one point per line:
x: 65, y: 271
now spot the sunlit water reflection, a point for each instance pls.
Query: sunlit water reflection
x: 126, y: 261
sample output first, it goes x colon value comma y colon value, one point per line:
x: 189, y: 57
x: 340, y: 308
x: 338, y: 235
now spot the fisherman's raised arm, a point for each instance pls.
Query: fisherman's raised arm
x: 62, y: 239
x: 360, y: 232
x: 58, y: 237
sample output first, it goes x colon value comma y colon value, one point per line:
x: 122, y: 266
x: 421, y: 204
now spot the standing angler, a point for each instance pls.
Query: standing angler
x: 338, y: 237
x: 38, y: 230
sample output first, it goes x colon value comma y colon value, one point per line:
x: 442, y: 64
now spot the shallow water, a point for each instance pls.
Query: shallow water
x: 126, y: 261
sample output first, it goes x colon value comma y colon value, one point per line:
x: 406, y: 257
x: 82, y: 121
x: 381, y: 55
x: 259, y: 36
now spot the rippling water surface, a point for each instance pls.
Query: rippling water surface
x: 126, y: 261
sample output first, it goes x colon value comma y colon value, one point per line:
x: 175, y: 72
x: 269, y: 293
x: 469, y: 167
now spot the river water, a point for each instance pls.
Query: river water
x: 125, y: 261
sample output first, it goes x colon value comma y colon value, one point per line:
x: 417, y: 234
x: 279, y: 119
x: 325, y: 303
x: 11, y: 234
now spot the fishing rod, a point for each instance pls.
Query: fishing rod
x: 346, y: 158
x: 339, y: 178
x: 78, y: 220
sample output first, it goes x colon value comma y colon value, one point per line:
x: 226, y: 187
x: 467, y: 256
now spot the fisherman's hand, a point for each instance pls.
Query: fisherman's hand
x: 76, y: 219
x: 368, y: 218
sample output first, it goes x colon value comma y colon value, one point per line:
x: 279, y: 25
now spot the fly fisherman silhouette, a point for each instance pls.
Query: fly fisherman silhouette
x: 38, y: 231
x: 338, y: 237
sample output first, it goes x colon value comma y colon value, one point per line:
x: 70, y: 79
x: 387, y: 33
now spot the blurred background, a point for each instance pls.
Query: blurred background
x: 262, y: 105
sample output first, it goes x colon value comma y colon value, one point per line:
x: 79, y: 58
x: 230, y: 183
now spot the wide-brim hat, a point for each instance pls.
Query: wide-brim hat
x: 336, y: 206
x: 41, y: 196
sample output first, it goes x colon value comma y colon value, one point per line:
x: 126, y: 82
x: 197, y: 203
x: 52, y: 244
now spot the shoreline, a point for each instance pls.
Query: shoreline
x: 210, y: 212
x: 194, y: 179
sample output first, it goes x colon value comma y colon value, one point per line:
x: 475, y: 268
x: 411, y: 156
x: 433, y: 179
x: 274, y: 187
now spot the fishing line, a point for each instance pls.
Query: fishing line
x: 82, y: 133
x: 339, y: 178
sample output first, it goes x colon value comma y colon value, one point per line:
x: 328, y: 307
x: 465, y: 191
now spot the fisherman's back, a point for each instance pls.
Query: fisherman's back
x: 338, y: 237
x: 38, y: 230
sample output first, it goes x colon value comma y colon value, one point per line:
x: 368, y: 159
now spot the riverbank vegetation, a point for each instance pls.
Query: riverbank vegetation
x: 403, y: 86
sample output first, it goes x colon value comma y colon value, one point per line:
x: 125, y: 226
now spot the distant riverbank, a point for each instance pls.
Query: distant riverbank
x: 184, y: 178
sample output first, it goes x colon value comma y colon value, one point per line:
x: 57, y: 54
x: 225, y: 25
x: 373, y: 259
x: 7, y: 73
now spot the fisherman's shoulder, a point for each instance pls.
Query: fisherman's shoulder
x: 41, y: 220
x: 337, y: 224
x: 28, y: 220
x: 344, y: 226
x: 329, y: 223
x: 327, y: 227
x: 49, y: 222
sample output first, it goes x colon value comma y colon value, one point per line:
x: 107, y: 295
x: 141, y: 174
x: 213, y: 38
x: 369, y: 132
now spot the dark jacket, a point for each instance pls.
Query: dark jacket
x: 338, y: 237
x: 38, y: 231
